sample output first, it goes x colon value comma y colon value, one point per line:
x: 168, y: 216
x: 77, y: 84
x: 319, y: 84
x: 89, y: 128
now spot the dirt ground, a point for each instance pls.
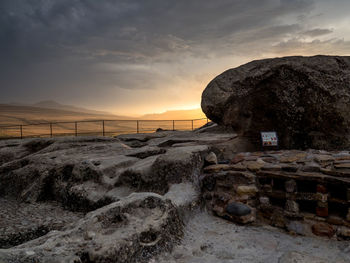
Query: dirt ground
x: 210, y: 239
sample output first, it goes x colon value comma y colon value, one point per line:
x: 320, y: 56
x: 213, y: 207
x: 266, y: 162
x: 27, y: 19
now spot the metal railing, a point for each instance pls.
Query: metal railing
x: 95, y: 127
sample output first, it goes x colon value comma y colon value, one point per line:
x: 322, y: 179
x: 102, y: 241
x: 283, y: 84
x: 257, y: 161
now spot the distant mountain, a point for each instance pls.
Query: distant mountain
x: 50, y: 104
x: 51, y: 111
x: 15, y: 114
x: 175, y: 115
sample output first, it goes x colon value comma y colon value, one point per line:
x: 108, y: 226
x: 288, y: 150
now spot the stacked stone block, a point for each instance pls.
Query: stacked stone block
x: 306, y: 193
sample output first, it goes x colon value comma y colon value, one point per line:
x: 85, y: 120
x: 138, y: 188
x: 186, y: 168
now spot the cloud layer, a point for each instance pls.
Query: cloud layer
x: 129, y: 56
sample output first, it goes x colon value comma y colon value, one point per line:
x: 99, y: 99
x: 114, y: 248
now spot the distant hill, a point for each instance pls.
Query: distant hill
x: 51, y: 111
x: 175, y: 115
x: 50, y: 104
x: 16, y: 114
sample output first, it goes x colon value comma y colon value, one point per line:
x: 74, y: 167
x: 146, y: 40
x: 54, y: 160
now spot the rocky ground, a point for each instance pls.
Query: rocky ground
x: 134, y: 198
x: 210, y: 239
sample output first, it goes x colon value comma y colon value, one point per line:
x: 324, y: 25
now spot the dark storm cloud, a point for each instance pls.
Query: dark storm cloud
x: 129, y: 30
x: 76, y: 48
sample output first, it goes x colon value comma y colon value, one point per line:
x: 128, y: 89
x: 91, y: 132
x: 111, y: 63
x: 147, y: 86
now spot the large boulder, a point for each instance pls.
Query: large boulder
x: 305, y: 99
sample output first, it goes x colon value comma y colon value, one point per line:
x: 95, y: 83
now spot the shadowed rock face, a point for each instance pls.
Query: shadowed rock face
x: 305, y: 99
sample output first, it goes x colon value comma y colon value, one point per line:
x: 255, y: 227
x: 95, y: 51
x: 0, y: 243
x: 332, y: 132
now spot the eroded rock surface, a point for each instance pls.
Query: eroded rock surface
x: 74, y: 200
x: 131, y: 198
x: 305, y: 99
x: 132, y: 230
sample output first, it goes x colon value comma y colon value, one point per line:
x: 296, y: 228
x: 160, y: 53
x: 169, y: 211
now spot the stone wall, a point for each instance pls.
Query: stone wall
x: 306, y: 193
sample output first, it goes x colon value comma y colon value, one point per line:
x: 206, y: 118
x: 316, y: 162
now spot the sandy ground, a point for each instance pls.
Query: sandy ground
x: 211, y: 239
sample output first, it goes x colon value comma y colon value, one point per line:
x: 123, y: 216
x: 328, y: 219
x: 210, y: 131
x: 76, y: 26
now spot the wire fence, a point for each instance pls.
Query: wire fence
x: 96, y: 127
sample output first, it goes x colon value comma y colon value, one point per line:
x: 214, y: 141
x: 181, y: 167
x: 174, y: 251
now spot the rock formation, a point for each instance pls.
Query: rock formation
x: 303, y: 192
x: 95, y: 199
x: 138, y: 198
x: 305, y: 99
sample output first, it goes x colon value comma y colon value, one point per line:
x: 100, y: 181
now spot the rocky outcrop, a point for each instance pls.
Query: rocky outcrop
x: 133, y: 198
x: 132, y: 230
x: 305, y: 99
x: 94, y: 199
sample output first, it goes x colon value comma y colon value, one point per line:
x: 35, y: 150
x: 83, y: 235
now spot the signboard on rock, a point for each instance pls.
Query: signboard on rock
x: 269, y: 138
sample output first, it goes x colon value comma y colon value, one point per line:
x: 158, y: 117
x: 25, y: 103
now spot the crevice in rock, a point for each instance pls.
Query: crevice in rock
x: 169, y: 143
x: 23, y: 237
x: 37, y: 145
x: 147, y: 153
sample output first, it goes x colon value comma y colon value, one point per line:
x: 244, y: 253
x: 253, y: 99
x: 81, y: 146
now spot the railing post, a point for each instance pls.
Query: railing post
x: 50, y: 130
x: 192, y: 125
x: 21, y: 131
x: 173, y: 125
x: 137, y: 127
x: 103, y: 128
x: 76, y: 128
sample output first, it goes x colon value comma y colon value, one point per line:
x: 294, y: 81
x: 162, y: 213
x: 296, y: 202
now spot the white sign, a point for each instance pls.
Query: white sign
x: 269, y: 138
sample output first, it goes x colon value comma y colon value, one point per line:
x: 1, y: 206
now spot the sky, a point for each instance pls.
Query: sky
x: 142, y: 56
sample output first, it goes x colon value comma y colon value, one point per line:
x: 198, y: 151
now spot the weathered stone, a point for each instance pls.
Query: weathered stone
x: 249, y: 190
x: 292, y: 158
x: 309, y: 216
x: 269, y: 159
x: 290, y: 186
x: 335, y: 220
x: 299, y: 228
x: 238, y: 158
x: 238, y: 209
x: 293, y: 95
x: 238, y: 167
x: 342, y: 157
x: 323, y: 229
x: 245, y: 219
x: 292, y: 206
x: 211, y: 158
x: 319, y: 219
x: 264, y: 200
x: 324, y: 159
x: 310, y: 168
x: 340, y: 162
x: 251, y: 158
x: 271, y: 167
x: 278, y: 219
x: 216, y: 168
x: 345, y: 166
x: 240, y: 213
x: 254, y: 166
x: 237, y: 178
x: 219, y: 210
x: 338, y: 173
x: 343, y: 232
